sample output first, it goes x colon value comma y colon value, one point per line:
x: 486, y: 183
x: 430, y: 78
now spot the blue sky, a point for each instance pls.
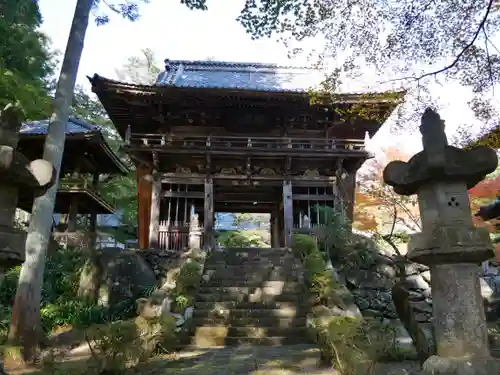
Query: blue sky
x: 173, y: 31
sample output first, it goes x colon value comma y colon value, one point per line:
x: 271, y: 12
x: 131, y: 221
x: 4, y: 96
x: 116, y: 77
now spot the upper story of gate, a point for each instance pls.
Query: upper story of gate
x: 246, y: 109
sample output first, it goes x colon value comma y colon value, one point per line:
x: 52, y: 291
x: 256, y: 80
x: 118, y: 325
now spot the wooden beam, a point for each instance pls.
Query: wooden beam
x: 253, y: 152
x: 174, y: 178
x: 183, y: 194
x: 288, y: 212
x: 154, y: 224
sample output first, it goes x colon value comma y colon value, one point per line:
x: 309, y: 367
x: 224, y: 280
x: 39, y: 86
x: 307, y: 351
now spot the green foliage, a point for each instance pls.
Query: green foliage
x: 318, y: 278
x: 354, y: 345
x: 453, y: 39
x: 25, y: 61
x: 142, y: 69
x: 248, y: 218
x: 186, y: 284
x: 241, y: 238
x: 60, y: 303
x: 303, y: 245
x: 116, y: 346
x: 338, y: 242
x: 126, y: 343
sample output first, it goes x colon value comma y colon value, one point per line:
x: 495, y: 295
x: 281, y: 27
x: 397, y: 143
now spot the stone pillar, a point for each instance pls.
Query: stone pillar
x: 287, y: 213
x: 450, y: 245
x: 208, y: 235
x: 154, y: 223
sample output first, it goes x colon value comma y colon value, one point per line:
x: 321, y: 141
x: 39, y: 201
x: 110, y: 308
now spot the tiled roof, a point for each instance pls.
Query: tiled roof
x: 73, y: 126
x: 249, y: 76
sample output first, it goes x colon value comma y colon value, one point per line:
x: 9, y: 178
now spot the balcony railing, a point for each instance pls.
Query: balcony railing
x: 223, y: 143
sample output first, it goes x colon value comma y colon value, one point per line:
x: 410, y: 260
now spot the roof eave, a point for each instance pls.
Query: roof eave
x: 390, y: 97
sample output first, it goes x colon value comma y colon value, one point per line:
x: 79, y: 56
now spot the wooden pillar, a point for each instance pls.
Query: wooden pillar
x: 350, y: 195
x: 208, y: 215
x: 287, y: 213
x: 275, y: 229
x: 73, y: 215
x: 154, y: 221
x: 144, y: 191
x: 93, y: 215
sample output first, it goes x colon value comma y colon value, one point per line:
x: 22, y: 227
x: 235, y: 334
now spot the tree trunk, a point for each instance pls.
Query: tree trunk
x: 25, y: 328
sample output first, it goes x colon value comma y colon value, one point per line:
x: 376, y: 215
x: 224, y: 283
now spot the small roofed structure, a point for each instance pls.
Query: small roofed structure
x: 87, y: 156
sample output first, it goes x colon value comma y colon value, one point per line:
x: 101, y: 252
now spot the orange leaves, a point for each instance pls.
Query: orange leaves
x: 376, y: 202
x: 487, y: 189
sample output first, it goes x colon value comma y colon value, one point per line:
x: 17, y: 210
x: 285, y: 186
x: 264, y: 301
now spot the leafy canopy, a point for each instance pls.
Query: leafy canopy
x: 25, y: 61
x: 417, y: 40
x: 129, y: 9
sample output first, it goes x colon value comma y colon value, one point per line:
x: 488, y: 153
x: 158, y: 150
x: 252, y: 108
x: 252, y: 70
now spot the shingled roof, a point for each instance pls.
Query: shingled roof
x: 81, y: 137
x: 73, y: 126
x: 233, y: 75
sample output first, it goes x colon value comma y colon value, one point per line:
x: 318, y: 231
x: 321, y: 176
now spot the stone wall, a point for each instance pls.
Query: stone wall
x: 379, y: 291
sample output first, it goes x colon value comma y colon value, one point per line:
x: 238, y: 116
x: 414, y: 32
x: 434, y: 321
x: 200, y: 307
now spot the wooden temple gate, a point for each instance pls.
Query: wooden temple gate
x: 202, y: 150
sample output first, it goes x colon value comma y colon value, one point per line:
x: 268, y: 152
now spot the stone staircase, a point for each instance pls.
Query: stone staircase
x: 250, y: 296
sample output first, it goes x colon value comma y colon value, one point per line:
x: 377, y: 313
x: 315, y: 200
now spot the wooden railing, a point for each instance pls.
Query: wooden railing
x: 175, y: 236
x: 84, y: 184
x: 242, y: 143
x: 75, y: 183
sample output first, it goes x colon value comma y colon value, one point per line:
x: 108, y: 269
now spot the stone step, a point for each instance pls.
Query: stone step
x: 208, y: 339
x: 249, y: 331
x: 262, y: 321
x: 229, y: 273
x: 253, y: 250
x: 209, y: 296
x: 250, y: 255
x: 230, y: 269
x: 251, y: 264
x: 249, y: 283
x: 300, y: 304
x: 269, y: 288
x: 255, y: 313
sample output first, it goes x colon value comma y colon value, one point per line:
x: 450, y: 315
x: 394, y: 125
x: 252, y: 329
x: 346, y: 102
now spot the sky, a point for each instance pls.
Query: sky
x: 172, y: 31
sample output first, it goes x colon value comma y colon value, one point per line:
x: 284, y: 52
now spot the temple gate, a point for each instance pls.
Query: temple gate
x: 235, y: 137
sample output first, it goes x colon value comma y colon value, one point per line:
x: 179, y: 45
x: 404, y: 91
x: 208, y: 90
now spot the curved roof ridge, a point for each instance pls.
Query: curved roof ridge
x: 236, y: 64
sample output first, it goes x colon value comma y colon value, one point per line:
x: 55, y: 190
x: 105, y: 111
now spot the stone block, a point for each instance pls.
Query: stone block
x: 436, y: 365
x: 12, y: 247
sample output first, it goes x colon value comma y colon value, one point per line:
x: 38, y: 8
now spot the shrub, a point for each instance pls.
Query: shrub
x: 319, y: 280
x: 115, y: 346
x: 186, y: 284
x: 353, y: 345
x: 123, y: 344
x: 60, y: 303
x: 303, y: 246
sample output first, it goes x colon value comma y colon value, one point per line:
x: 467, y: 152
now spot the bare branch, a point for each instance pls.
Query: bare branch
x: 466, y: 48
